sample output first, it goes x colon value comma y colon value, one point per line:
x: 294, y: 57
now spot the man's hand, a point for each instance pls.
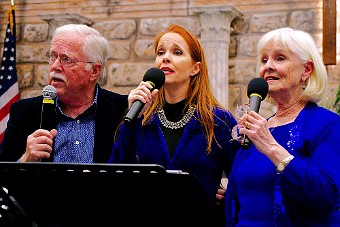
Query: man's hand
x: 39, y: 145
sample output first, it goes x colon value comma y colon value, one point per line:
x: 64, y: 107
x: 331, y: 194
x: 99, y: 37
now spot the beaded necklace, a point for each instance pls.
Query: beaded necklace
x: 179, y: 124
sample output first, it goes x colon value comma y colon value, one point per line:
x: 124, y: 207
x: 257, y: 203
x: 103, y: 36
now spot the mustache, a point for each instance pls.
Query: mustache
x: 57, y: 76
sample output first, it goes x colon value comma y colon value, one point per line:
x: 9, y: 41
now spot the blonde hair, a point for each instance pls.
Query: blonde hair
x: 302, y: 44
x: 199, y: 93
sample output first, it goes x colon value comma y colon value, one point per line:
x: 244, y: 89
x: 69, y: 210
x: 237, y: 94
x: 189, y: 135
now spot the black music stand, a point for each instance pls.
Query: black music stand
x: 54, y: 194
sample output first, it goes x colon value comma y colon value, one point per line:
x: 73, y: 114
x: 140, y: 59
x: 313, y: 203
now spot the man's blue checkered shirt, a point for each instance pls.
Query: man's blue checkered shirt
x: 74, y: 142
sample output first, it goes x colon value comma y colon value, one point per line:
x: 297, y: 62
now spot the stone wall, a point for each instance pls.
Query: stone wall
x: 229, y: 33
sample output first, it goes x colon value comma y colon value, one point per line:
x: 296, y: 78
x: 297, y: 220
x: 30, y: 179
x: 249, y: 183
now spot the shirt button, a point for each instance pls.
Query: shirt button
x: 77, y: 142
x: 78, y: 121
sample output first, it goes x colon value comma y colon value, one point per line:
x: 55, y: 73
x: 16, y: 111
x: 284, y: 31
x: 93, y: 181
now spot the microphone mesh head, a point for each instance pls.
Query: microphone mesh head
x: 156, y: 76
x: 258, y: 86
x: 49, y: 92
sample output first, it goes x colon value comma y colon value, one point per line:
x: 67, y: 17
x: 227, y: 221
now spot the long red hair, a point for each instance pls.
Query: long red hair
x: 199, y: 93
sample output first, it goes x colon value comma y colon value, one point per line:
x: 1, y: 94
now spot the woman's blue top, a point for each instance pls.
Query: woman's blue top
x: 306, y: 193
x: 147, y: 145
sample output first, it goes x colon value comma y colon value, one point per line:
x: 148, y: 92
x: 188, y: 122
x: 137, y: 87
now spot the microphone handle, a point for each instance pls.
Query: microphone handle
x: 48, y: 119
x: 254, y: 104
x: 135, y: 109
x: 246, y: 143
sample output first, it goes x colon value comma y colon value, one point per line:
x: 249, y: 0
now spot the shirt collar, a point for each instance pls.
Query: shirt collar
x: 92, y: 106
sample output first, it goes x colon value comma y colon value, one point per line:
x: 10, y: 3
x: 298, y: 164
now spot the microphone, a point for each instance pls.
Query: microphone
x: 47, y: 117
x: 257, y: 91
x: 156, y: 78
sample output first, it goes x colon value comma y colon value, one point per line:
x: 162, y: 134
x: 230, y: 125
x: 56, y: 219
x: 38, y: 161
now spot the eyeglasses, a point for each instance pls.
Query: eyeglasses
x: 64, y: 60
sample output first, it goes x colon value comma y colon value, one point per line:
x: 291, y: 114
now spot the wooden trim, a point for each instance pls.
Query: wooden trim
x: 329, y: 32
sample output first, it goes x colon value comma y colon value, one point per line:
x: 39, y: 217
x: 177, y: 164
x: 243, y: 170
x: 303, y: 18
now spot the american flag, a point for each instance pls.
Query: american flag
x: 9, y: 89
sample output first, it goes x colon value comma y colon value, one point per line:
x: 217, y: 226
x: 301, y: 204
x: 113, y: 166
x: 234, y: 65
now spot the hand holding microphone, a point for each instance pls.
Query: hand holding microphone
x: 156, y: 78
x: 39, y: 146
x: 257, y: 92
x: 40, y: 142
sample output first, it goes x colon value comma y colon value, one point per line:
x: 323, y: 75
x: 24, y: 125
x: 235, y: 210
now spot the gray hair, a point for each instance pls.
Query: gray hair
x: 302, y: 44
x: 96, y: 47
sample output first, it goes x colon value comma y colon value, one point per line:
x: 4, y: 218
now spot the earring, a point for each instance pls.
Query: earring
x: 304, y: 85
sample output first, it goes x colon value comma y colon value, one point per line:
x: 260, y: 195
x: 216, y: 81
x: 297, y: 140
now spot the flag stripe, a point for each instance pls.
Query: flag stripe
x: 5, y: 109
x: 9, y: 90
x: 3, y: 126
x: 9, y: 95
